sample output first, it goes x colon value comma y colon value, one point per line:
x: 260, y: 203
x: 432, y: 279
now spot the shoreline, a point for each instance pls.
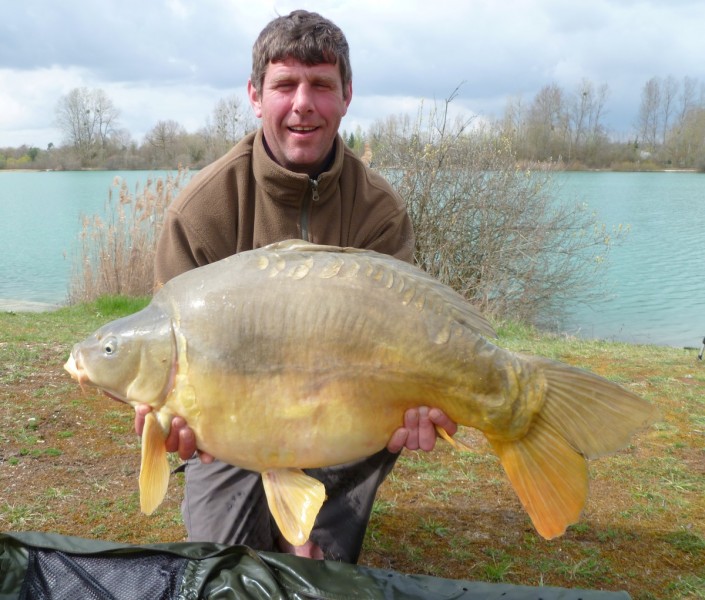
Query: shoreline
x: 26, y: 306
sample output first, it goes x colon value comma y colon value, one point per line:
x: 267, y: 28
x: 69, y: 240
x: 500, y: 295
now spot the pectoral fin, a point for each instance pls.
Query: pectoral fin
x: 154, y: 472
x: 294, y: 500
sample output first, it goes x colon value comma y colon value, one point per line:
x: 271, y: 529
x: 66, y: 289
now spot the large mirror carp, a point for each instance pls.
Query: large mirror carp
x: 297, y: 356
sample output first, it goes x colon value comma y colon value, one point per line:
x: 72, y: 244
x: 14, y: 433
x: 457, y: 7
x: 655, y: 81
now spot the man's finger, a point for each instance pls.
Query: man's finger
x: 205, y: 458
x: 398, y: 440
x: 411, y: 422
x: 141, y: 411
x: 426, y: 431
x: 173, y: 439
x: 187, y: 443
x: 438, y: 417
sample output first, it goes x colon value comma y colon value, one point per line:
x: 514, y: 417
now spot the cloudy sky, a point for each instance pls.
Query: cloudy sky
x: 174, y: 59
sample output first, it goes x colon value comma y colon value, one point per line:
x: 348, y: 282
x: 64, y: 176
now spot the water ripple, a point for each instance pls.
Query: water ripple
x: 656, y: 277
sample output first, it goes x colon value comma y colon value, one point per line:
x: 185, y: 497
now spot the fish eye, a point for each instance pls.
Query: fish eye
x: 110, y: 346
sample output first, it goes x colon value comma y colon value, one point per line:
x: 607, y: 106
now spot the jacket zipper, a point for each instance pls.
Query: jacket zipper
x: 306, y: 209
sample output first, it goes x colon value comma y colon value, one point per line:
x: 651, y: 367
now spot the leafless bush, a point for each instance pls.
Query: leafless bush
x: 485, y: 226
x: 116, y: 252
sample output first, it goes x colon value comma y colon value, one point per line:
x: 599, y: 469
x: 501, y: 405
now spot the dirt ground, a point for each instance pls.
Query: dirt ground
x: 69, y: 464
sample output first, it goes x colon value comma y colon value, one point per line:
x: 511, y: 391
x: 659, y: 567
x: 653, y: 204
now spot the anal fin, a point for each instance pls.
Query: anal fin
x: 548, y: 475
x: 154, y: 471
x: 294, y: 500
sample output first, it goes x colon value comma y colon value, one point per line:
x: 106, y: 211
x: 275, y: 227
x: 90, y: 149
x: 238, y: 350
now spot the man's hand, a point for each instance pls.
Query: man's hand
x: 419, y: 430
x: 181, y: 438
x: 308, y: 550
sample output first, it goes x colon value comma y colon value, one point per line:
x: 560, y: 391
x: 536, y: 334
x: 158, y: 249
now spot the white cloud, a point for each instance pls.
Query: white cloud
x: 28, y: 102
x: 143, y: 106
x: 173, y: 59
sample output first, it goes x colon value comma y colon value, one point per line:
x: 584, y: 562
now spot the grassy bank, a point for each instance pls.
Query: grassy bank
x: 69, y: 463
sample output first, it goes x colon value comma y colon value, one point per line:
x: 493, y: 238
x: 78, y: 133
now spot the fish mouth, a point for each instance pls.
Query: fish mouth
x: 76, y: 371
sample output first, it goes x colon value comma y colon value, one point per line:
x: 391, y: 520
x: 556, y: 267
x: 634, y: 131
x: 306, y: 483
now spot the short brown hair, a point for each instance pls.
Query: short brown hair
x: 304, y: 36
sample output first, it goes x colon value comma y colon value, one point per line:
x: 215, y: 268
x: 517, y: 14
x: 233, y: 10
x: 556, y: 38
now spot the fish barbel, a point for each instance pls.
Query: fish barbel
x: 297, y: 356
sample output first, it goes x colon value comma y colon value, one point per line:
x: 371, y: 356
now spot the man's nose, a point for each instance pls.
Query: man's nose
x: 303, y: 99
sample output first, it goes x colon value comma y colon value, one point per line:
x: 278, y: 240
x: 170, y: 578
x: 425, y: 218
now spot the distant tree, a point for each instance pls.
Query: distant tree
x: 547, y: 126
x: 586, y: 110
x: 683, y: 141
x: 649, y: 118
x: 228, y: 119
x: 355, y: 140
x: 164, y: 138
x: 688, y: 99
x: 686, y: 141
x: 196, y: 151
x: 86, y: 119
x: 229, y: 122
x: 512, y: 127
x: 669, y: 91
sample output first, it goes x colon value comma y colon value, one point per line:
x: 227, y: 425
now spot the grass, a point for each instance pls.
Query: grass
x: 69, y: 463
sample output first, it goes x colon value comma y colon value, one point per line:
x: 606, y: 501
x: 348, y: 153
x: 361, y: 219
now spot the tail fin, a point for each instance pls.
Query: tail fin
x: 596, y: 416
x: 584, y: 416
x: 549, y: 477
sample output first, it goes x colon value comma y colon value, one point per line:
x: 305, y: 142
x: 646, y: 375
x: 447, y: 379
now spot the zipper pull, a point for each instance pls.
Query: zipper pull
x: 314, y: 190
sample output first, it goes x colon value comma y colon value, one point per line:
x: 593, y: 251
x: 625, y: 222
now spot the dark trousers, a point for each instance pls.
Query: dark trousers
x: 225, y: 504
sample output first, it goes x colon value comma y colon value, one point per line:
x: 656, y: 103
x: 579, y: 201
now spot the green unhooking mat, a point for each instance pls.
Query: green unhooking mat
x: 42, y: 566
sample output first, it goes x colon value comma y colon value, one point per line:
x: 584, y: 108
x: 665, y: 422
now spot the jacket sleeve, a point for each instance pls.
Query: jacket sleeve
x: 395, y: 237
x: 177, y: 250
x: 199, y: 225
x: 383, y: 220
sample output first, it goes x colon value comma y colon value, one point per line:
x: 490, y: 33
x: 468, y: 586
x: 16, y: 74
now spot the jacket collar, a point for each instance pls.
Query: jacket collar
x: 288, y: 187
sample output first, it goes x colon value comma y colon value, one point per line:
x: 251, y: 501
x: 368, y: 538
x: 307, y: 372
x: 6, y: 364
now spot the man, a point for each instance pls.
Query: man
x: 294, y: 178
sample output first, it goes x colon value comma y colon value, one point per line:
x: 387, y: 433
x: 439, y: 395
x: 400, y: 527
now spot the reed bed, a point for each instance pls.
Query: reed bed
x: 115, y: 253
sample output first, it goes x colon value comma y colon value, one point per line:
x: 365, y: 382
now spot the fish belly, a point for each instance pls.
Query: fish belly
x: 305, y: 422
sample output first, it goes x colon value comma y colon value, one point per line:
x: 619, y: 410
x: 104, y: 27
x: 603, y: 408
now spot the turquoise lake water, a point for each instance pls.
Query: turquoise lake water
x: 40, y: 220
x: 655, y: 280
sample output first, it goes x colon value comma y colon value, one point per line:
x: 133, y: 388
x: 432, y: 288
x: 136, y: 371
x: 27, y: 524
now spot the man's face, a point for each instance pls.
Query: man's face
x: 301, y: 108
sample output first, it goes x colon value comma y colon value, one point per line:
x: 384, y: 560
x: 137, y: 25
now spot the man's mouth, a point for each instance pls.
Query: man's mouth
x: 302, y: 129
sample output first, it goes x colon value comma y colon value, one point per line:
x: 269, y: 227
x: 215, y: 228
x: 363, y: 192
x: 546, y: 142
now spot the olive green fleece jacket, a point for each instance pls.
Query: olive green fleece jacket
x: 245, y: 200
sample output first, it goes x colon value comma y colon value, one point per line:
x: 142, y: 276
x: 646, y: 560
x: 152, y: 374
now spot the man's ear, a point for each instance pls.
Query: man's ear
x: 254, y: 99
x: 348, y: 95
